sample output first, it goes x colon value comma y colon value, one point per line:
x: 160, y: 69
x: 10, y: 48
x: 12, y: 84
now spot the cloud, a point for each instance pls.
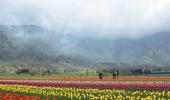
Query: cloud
x: 90, y: 18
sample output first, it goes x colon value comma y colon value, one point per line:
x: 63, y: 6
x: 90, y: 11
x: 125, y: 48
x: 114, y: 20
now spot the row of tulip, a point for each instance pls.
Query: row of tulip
x: 15, y: 96
x: 97, y: 85
x: 63, y: 93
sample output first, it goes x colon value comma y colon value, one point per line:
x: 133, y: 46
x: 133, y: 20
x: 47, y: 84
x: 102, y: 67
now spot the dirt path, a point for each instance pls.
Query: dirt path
x: 92, y: 78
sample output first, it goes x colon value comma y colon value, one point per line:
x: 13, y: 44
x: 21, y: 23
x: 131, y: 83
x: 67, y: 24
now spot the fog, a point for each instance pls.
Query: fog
x: 83, y: 28
x: 90, y: 18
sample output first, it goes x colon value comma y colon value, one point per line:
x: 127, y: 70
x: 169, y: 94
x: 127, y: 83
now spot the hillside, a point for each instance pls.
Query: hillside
x: 154, y: 49
x: 30, y: 43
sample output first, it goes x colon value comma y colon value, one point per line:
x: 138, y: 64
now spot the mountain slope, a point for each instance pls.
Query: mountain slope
x: 30, y: 42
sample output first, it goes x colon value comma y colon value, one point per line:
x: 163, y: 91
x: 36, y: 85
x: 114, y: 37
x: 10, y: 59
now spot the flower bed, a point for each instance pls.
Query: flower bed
x: 14, y: 96
x: 15, y: 92
x: 96, y: 85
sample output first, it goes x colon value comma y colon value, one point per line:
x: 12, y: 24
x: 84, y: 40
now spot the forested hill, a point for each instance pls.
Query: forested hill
x: 30, y: 42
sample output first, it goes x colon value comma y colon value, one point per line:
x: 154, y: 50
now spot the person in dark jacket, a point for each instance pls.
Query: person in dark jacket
x: 100, y: 75
x: 114, y: 75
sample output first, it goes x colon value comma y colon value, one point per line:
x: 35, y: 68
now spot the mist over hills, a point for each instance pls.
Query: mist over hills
x: 34, y: 43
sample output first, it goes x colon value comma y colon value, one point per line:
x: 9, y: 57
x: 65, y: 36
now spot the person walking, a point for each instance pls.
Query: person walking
x: 100, y: 75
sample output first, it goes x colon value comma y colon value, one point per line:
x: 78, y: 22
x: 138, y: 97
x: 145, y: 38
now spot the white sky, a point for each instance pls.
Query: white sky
x: 94, y: 18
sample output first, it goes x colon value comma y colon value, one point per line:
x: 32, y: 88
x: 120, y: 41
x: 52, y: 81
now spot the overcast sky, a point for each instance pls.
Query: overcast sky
x: 94, y: 18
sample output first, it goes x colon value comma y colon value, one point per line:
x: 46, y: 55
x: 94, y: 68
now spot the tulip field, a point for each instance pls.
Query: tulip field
x: 83, y: 90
